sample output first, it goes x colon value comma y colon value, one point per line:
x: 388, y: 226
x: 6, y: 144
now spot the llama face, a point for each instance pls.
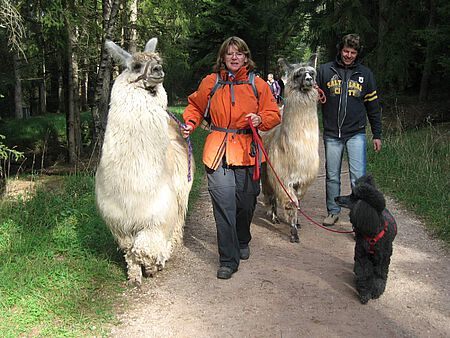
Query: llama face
x: 300, y: 76
x: 303, y: 78
x: 145, y: 69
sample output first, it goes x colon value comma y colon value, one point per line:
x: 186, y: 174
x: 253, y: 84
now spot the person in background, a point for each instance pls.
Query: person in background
x: 281, y: 84
x: 227, y: 153
x: 274, y: 87
x: 352, y: 96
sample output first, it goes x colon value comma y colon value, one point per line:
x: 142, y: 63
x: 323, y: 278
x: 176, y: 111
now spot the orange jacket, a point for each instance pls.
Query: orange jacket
x: 235, y: 147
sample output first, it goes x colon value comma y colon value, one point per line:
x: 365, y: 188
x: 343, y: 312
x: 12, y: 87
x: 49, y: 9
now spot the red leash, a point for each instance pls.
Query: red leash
x: 322, y: 97
x: 259, y: 145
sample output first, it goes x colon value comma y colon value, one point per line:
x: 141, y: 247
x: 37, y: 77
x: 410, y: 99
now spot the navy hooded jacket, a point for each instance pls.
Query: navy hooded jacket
x: 351, y: 96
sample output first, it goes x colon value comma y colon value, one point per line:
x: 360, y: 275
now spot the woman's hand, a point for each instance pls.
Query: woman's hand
x: 256, y: 119
x: 186, y: 131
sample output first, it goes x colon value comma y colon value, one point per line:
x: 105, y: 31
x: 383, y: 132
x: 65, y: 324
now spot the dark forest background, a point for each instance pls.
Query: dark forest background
x: 53, y: 59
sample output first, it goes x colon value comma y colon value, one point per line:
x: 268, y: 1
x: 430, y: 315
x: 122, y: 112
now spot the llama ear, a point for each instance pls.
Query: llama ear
x: 284, y: 65
x: 117, y: 53
x: 313, y: 60
x: 150, y: 46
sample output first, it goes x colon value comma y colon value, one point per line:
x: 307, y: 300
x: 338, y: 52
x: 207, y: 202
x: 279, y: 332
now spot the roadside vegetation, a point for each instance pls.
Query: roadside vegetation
x: 60, y: 270
x: 414, y: 167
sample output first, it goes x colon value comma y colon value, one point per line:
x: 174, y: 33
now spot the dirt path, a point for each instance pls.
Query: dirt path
x: 292, y: 290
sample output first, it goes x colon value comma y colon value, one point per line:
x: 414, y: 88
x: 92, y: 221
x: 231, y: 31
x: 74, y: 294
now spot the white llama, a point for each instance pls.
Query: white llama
x: 293, y: 146
x: 142, y: 185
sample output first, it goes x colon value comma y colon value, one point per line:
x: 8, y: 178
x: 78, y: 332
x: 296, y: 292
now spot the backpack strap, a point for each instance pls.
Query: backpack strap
x: 211, y: 93
x: 219, y: 82
x: 251, y: 79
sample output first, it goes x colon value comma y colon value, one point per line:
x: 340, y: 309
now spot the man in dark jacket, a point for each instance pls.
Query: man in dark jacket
x: 352, y: 97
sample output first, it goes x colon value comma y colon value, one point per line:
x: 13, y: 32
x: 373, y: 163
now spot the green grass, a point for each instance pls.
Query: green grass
x: 43, y: 135
x: 60, y: 271
x: 414, y: 168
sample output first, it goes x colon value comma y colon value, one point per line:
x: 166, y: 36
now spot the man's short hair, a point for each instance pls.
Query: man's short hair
x: 352, y: 41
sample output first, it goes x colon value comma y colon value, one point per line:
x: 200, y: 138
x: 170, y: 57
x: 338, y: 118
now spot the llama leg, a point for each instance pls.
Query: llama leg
x: 292, y: 217
x: 134, y: 269
x: 294, y: 233
x: 272, y: 210
x: 152, y: 250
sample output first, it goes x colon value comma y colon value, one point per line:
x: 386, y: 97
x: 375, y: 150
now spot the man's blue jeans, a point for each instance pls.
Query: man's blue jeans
x: 334, y: 151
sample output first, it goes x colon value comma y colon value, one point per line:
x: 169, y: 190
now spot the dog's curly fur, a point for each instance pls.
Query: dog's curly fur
x: 369, y: 216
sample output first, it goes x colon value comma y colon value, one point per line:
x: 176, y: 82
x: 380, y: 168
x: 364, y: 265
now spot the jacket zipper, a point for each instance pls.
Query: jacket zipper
x: 347, y: 80
x: 340, y: 99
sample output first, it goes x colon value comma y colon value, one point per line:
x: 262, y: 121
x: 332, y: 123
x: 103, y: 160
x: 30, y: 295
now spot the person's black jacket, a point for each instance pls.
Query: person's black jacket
x: 344, y: 115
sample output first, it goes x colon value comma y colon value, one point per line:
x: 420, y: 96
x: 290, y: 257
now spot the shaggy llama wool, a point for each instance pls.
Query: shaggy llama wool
x: 293, y: 146
x: 142, y: 185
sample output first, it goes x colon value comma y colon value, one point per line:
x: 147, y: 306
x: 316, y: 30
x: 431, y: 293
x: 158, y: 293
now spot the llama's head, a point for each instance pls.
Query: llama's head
x: 299, y: 76
x: 144, y: 68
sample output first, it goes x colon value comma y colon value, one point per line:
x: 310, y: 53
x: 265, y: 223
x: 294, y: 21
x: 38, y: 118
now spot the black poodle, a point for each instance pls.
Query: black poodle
x: 375, y: 230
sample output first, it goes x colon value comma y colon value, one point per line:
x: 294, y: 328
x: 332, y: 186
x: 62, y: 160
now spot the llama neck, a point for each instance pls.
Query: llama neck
x: 300, y: 110
x: 142, y: 120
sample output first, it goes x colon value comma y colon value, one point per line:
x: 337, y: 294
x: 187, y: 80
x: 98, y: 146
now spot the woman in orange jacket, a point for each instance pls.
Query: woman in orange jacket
x: 227, y: 154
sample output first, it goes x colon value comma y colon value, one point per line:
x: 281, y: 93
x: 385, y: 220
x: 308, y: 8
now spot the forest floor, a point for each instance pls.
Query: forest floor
x: 288, y: 289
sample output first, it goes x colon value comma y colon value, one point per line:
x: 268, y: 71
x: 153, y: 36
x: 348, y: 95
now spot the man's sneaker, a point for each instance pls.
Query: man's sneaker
x: 225, y: 272
x: 245, y: 253
x: 330, y: 220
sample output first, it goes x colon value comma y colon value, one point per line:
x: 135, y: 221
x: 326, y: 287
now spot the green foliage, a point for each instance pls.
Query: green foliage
x: 61, y: 272
x: 60, y: 269
x: 6, y: 152
x: 40, y: 133
x: 270, y: 33
x: 168, y: 21
x: 25, y: 133
x: 54, y: 16
x: 413, y: 166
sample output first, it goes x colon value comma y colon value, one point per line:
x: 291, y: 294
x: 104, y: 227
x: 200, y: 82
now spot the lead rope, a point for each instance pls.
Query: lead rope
x: 188, y: 140
x: 322, y: 97
x: 259, y: 144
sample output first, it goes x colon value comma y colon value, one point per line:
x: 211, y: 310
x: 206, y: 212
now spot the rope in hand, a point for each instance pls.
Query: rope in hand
x: 188, y: 140
x: 259, y: 145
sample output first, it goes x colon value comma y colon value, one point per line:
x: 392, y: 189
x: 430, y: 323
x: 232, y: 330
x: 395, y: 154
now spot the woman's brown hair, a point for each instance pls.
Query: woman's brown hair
x: 241, y: 47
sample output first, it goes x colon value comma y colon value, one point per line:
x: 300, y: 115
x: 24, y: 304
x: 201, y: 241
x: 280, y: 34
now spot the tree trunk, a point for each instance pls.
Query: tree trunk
x: 84, y: 88
x: 383, y: 14
x: 18, y: 111
x: 428, y: 63
x: 60, y: 83
x: 73, y: 112
x: 102, y: 90
x: 132, y: 39
x: 42, y: 97
x: 70, y: 114
x: 42, y: 84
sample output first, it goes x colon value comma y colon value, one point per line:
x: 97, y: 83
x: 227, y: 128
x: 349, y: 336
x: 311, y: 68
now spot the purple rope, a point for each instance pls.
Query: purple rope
x: 188, y: 139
